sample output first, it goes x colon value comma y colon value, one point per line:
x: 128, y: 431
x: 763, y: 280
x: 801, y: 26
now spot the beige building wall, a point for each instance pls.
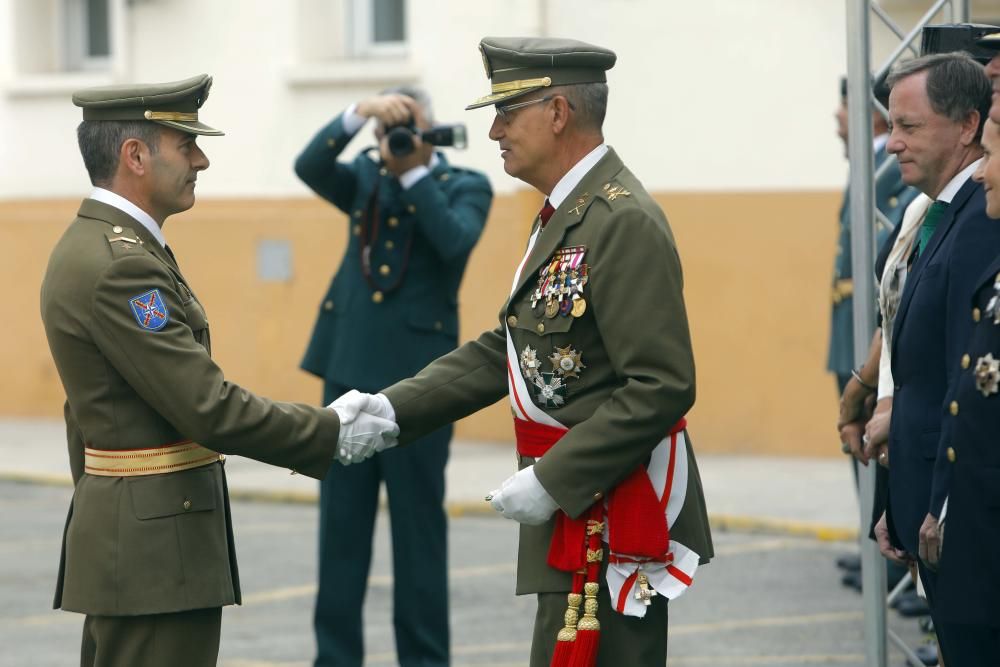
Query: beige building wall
x: 722, y: 107
x: 756, y: 268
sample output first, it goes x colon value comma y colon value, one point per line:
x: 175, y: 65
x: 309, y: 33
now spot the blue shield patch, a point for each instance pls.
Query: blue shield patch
x: 149, y: 310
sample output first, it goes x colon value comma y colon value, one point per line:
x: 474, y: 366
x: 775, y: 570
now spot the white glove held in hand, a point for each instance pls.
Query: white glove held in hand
x: 522, y: 498
x: 367, y: 426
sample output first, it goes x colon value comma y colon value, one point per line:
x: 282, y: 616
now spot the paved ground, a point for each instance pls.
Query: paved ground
x: 767, y: 600
x: 792, y: 495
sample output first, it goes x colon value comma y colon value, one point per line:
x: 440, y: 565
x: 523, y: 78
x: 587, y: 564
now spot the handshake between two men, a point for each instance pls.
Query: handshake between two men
x: 368, y: 426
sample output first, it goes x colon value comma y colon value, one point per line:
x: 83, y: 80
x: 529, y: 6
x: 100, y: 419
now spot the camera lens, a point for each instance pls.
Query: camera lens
x: 400, y: 141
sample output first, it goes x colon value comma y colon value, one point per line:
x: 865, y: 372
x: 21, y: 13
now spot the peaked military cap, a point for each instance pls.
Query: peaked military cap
x: 174, y: 104
x: 991, y: 41
x: 519, y: 65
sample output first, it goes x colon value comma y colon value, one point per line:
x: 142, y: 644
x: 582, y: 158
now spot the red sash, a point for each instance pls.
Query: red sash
x: 637, y: 523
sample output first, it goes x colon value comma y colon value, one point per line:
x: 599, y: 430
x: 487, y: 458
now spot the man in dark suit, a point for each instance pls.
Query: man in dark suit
x: 390, y: 310
x: 937, y: 108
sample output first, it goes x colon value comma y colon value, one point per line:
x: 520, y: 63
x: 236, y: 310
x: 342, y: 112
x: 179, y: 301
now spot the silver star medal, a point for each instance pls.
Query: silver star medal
x: 551, y: 390
x: 987, y: 374
x: 993, y: 305
x: 529, y: 363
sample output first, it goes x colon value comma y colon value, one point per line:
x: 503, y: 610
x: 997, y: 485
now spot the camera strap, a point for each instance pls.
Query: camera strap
x: 370, y: 224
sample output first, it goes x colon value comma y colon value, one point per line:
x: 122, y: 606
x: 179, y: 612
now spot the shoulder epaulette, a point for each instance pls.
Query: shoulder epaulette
x: 122, y: 242
x: 613, y: 191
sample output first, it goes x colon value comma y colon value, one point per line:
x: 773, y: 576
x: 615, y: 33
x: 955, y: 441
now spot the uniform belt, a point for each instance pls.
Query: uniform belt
x: 842, y: 289
x: 147, y: 461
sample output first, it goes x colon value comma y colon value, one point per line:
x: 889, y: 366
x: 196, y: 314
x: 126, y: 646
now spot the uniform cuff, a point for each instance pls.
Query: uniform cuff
x: 352, y: 120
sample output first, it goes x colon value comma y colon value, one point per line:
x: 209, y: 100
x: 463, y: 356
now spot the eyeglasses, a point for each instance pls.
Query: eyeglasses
x: 503, y: 111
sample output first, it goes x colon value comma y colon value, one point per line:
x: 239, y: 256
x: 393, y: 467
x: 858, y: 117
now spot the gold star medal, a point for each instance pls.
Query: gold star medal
x: 987, y: 374
x: 566, y: 362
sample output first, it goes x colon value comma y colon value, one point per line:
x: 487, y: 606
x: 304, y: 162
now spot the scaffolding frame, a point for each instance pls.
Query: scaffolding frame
x: 860, y: 99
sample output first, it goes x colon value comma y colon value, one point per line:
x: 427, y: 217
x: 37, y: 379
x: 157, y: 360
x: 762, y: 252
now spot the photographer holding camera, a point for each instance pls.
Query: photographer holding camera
x: 391, y: 308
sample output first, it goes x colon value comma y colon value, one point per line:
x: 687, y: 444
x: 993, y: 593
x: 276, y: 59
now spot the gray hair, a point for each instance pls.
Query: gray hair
x: 957, y: 85
x: 590, y: 102
x: 101, y: 144
x: 418, y: 95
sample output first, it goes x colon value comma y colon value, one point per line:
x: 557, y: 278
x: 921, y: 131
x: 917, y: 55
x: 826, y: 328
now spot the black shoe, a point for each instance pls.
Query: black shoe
x: 852, y: 580
x: 912, y: 605
x: 849, y: 562
x: 928, y: 654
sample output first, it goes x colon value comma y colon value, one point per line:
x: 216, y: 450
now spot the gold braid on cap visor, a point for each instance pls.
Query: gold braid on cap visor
x: 170, y: 115
x: 521, y: 84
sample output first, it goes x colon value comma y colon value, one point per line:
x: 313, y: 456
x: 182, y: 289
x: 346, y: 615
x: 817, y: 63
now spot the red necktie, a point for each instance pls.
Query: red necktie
x: 546, y: 212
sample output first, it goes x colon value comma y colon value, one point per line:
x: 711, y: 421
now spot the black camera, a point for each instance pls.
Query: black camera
x: 401, y: 136
x: 957, y: 37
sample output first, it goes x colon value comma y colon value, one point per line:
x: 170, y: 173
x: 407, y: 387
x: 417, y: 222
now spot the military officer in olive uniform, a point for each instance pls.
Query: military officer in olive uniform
x: 390, y: 310
x: 148, y: 551
x: 594, y: 352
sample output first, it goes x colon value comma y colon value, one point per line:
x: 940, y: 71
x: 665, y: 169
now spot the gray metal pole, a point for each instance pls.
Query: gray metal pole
x: 893, y: 26
x: 912, y: 35
x: 862, y: 207
x: 960, y: 10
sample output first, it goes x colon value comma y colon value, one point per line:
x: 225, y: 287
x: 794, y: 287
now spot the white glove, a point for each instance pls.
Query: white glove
x: 350, y: 404
x: 522, y: 498
x: 367, y: 426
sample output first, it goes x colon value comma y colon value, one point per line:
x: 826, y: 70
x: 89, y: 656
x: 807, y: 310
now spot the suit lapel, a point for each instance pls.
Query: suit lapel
x: 569, y: 214
x: 943, y: 229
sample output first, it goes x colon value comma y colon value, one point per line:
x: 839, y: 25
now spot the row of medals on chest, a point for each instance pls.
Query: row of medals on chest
x: 987, y: 369
x: 560, y: 288
x: 560, y: 284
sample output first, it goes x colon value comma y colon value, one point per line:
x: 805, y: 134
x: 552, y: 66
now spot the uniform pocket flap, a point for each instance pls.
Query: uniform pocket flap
x: 434, y: 320
x: 536, y: 322
x: 158, y: 496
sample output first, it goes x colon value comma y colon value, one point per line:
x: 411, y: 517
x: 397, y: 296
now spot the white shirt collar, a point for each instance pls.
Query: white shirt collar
x: 575, y: 175
x: 956, y: 183
x: 130, y: 209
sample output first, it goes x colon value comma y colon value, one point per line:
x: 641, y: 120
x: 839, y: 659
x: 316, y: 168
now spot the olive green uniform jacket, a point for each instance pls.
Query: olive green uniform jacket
x: 638, y: 379
x: 157, y: 543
